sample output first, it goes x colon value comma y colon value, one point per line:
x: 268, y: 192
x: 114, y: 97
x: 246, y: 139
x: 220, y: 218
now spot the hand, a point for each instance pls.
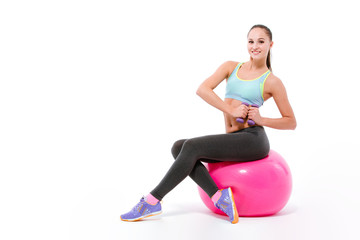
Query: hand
x: 240, y: 112
x: 254, y: 115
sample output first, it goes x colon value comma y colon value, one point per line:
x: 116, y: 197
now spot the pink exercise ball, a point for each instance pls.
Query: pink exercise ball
x: 260, y: 188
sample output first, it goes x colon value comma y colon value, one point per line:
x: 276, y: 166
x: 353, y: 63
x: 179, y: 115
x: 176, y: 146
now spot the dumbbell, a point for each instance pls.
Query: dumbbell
x: 250, y: 122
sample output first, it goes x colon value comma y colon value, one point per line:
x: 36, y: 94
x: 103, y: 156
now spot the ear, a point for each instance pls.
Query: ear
x: 271, y: 44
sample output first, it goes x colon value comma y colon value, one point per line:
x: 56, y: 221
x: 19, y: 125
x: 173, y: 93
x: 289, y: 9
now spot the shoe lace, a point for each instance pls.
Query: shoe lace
x: 138, y: 205
x: 224, y: 208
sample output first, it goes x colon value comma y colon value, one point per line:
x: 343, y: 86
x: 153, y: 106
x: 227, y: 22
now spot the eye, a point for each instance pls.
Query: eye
x: 261, y: 41
x: 251, y: 41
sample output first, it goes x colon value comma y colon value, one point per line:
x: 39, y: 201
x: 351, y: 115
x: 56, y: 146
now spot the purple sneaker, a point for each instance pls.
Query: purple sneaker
x: 142, y: 210
x: 226, y: 204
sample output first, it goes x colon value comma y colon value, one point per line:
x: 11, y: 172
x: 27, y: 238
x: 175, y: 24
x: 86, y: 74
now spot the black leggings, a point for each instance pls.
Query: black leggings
x: 247, y: 144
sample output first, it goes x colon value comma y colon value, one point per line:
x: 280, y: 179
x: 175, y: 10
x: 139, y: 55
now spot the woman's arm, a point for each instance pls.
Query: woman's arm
x: 205, y: 90
x: 278, y: 92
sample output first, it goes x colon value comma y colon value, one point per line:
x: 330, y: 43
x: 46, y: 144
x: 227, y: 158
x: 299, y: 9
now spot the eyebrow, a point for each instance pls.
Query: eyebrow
x: 259, y: 38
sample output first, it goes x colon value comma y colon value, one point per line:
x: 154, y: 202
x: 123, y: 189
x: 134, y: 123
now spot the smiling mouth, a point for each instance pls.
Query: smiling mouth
x: 256, y: 52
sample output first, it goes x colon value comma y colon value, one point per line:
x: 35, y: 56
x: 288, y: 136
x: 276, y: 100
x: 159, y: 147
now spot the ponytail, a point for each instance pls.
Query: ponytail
x: 268, y: 63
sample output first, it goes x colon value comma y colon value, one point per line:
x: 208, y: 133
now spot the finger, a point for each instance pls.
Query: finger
x: 252, y: 114
x: 254, y: 110
x: 243, y: 114
x: 244, y: 107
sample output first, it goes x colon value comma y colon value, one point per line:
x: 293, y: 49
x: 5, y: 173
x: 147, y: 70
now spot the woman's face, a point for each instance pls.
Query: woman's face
x: 259, y: 43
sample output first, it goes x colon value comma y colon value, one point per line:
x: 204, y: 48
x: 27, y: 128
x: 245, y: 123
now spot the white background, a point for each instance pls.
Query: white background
x: 94, y: 93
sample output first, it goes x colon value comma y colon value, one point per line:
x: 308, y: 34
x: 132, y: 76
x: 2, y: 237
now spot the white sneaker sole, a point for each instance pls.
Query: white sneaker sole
x: 142, y: 217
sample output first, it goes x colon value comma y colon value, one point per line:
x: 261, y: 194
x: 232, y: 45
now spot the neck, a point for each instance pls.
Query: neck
x: 257, y: 64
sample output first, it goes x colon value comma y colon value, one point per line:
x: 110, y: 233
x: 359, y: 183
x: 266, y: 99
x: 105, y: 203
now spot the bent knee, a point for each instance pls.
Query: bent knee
x: 192, y: 146
x: 176, y: 148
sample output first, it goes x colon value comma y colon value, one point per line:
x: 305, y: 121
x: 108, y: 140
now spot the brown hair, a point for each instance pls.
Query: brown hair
x: 269, y: 34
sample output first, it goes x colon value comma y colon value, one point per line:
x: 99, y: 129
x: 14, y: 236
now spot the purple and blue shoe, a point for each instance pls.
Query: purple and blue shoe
x: 226, y: 204
x: 142, y: 210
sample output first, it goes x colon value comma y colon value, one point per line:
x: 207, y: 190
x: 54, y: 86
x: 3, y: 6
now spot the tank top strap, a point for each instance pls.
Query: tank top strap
x: 264, y: 76
x: 236, y: 68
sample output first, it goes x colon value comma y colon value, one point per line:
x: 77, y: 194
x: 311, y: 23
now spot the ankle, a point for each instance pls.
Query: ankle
x: 151, y: 199
x: 216, y: 196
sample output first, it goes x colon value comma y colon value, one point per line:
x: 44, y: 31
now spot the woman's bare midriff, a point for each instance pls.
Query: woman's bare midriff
x: 231, y: 124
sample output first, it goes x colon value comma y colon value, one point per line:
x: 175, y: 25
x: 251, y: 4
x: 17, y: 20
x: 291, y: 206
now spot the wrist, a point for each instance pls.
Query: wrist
x: 228, y: 109
x: 262, y: 121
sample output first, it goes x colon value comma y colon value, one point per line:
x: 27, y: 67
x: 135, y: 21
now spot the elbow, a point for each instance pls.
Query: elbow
x: 289, y: 123
x: 293, y: 124
x: 200, y: 91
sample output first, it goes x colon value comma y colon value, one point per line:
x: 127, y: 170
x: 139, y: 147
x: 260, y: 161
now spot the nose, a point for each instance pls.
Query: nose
x: 253, y: 46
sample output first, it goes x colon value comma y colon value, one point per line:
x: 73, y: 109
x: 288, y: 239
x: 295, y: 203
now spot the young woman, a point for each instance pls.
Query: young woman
x: 249, y: 85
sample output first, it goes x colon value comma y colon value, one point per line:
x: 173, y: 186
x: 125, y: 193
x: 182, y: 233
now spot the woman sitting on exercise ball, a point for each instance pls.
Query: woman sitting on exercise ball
x: 249, y: 85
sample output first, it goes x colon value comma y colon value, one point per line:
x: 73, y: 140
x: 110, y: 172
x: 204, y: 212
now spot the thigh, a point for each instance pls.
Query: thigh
x: 177, y: 146
x: 247, y: 145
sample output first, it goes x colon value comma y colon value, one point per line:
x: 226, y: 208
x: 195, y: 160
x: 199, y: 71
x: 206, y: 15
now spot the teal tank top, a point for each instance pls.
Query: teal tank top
x: 249, y: 91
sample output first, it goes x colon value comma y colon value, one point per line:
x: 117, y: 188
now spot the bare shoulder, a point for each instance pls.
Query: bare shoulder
x: 273, y: 84
x: 272, y: 79
x: 231, y: 63
x: 273, y: 87
x: 229, y: 67
x: 225, y: 69
x: 222, y: 72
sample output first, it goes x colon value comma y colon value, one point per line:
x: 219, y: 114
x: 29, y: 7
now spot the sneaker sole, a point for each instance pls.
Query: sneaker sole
x: 235, y: 212
x: 140, y: 218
